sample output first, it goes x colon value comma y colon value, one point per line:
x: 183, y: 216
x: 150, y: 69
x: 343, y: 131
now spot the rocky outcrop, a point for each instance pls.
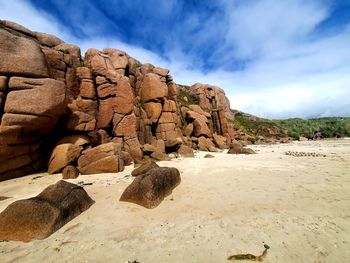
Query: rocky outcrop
x: 40, y: 216
x: 57, y: 109
x: 213, y: 98
x: 150, y: 189
x: 32, y: 99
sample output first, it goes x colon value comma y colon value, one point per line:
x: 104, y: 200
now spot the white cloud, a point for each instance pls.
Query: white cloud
x: 21, y: 12
x: 289, y: 72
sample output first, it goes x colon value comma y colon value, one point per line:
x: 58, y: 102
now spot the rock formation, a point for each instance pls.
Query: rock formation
x: 96, y: 113
x: 238, y: 149
x: 40, y: 216
x: 150, y: 189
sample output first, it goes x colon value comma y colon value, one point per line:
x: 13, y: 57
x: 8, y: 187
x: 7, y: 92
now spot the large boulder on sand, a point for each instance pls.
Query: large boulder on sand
x: 238, y: 149
x: 150, y: 189
x: 185, y: 151
x: 105, y: 158
x: 40, y: 216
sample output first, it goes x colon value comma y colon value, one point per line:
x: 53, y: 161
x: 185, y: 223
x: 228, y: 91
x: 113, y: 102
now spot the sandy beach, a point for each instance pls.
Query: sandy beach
x: 230, y: 204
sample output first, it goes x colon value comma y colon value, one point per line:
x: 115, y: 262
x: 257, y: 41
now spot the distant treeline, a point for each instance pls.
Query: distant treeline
x: 328, y: 127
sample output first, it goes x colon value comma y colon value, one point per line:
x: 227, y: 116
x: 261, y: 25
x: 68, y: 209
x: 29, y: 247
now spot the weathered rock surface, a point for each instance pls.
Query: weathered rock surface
x: 70, y: 172
x: 150, y: 189
x: 47, y: 91
x: 105, y: 158
x: 185, y: 151
x: 153, y: 88
x: 21, y: 56
x: 40, y: 216
x: 238, y: 149
x: 144, y: 168
x: 63, y: 155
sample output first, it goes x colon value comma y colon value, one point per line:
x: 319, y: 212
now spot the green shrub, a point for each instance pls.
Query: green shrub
x: 295, y: 135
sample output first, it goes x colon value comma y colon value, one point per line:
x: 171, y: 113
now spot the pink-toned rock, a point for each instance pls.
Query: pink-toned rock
x: 70, y: 172
x: 153, y: 88
x: 148, y: 148
x: 70, y: 49
x: 83, y: 73
x: 118, y: 58
x: 144, y: 168
x: 159, y: 145
x: 146, y: 68
x: 150, y: 189
x: 169, y: 106
x: 38, y: 217
x: 56, y: 63
x: 87, y: 89
x: 166, y: 117
x: 220, y: 141
x: 192, y: 115
x: 160, y: 156
x: 21, y: 56
x: 126, y: 157
x: 84, y: 105
x: 205, y: 144
x: 185, y: 151
x: 62, y: 155
x: 238, y: 149
x: 133, y: 147
x: 17, y: 27
x: 161, y: 71
x: 101, y: 80
x: 80, y: 121
x: 32, y: 108
x: 105, y: 158
x: 188, y: 130
x: 15, y: 162
x: 172, y: 142
x: 47, y: 39
x: 173, y: 89
x: 201, y: 128
x: 39, y: 97
x: 109, y: 106
x: 133, y: 65
x: 199, y: 110
x: 126, y: 127
x: 153, y: 110
x: 166, y: 131
x: 24, y: 128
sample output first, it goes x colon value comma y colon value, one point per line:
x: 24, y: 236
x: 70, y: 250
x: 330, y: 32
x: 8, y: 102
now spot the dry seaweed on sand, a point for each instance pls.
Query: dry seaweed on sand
x: 250, y: 256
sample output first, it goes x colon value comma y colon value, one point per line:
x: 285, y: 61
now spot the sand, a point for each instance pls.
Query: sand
x: 230, y: 204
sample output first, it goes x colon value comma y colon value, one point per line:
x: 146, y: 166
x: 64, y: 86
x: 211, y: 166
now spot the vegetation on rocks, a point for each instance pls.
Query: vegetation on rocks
x: 256, y: 126
x: 185, y: 97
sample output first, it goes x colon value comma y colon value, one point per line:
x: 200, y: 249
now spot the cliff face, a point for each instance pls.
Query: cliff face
x: 55, y: 105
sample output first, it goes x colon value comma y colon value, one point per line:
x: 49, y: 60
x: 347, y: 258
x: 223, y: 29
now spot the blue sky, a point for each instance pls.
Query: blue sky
x: 274, y: 58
